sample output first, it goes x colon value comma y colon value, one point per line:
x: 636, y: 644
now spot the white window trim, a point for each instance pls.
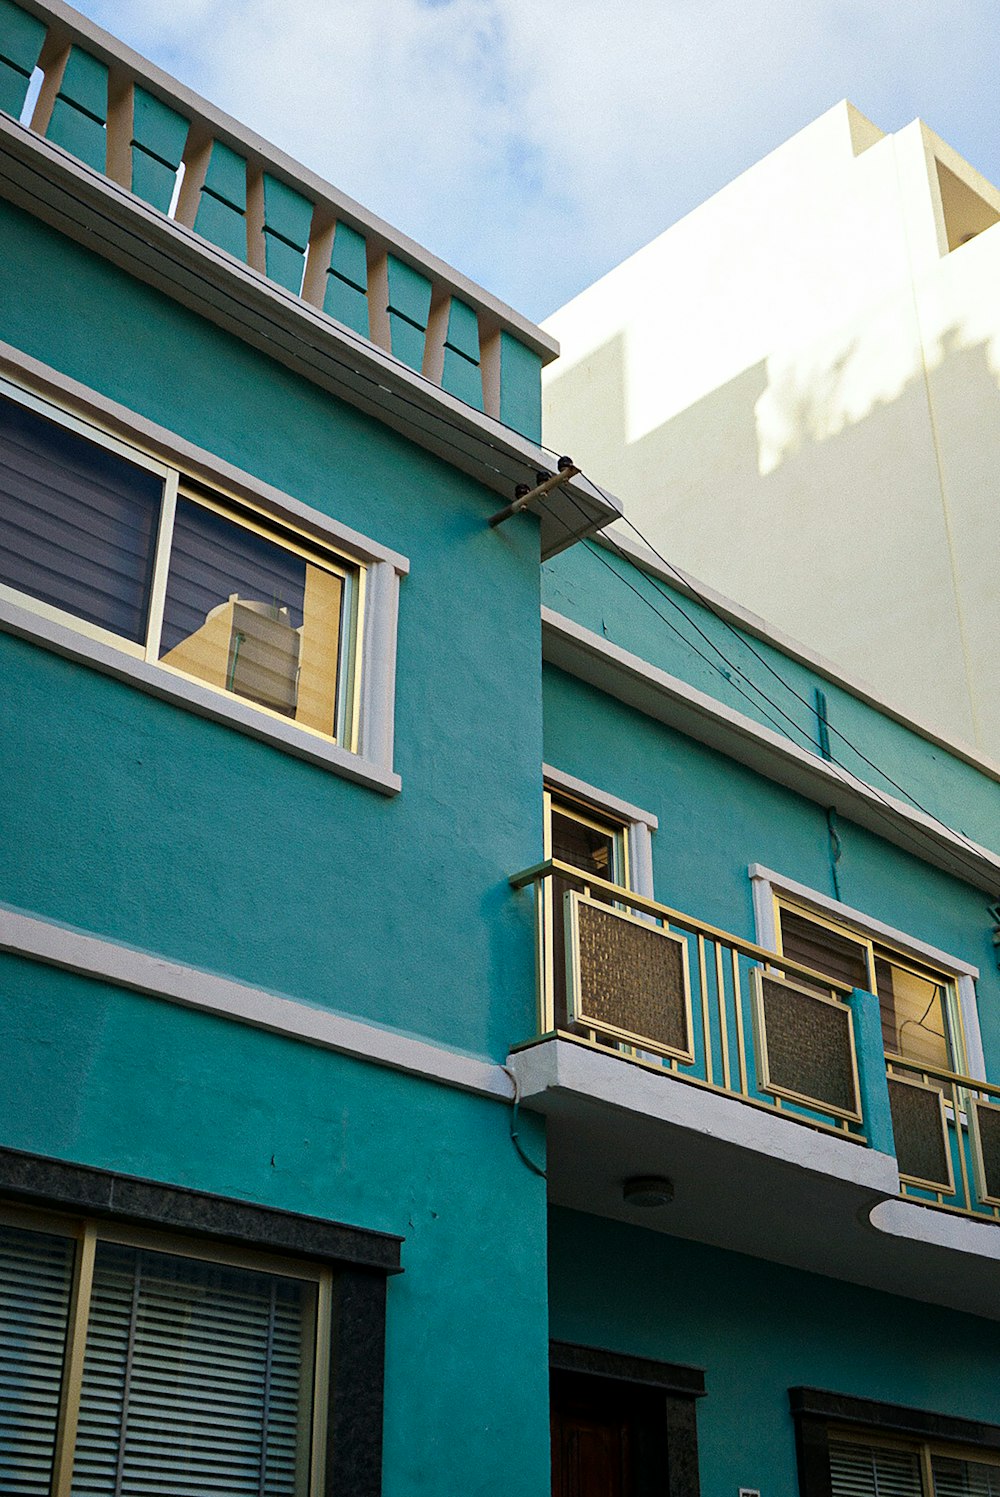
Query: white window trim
x: 112, y: 425
x: 766, y: 884
x: 639, y: 824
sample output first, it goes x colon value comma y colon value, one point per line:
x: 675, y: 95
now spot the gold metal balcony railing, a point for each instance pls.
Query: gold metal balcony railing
x: 947, y: 1132
x: 623, y: 972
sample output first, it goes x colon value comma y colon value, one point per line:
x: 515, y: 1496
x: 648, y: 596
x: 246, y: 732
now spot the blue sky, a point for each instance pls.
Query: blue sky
x: 536, y: 143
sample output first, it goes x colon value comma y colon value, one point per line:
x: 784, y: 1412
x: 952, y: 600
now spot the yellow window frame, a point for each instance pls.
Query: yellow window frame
x: 924, y: 1450
x: 86, y: 1233
x: 898, y: 957
x: 593, y: 817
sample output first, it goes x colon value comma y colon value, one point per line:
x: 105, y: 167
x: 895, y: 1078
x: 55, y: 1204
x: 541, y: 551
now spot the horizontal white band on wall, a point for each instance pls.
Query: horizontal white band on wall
x: 95, y: 957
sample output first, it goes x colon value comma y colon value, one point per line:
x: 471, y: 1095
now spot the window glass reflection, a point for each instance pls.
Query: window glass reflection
x: 251, y: 616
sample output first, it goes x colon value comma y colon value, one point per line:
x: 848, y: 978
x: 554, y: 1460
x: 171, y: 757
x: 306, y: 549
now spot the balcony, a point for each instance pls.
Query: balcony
x: 172, y: 150
x: 114, y: 152
x: 760, y: 1088
x: 946, y: 1129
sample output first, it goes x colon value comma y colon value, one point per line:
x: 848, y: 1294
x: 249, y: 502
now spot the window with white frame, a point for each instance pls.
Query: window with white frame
x: 129, y: 551
x: 593, y: 829
x: 926, y: 997
x: 603, y: 837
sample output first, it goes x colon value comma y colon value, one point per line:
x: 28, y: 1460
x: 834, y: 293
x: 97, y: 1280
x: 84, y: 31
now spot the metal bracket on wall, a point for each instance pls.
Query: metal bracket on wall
x: 544, y: 483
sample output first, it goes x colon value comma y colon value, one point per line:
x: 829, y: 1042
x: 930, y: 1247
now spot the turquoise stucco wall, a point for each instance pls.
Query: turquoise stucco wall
x: 137, y: 820
x: 758, y: 1329
x: 679, y: 635
x: 717, y: 817
x: 126, y: 1082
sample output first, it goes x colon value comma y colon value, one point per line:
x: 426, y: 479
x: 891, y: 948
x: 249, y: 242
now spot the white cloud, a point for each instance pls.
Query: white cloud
x: 536, y: 142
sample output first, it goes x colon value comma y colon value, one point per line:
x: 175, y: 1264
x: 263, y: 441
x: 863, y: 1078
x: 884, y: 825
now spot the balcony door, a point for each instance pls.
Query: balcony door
x: 596, y: 844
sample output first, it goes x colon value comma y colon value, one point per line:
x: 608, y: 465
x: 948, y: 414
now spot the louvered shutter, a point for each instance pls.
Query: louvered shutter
x: 195, y: 1381
x: 35, y: 1277
x: 78, y: 523
x: 873, y: 1471
x: 955, y: 1478
x: 823, y: 949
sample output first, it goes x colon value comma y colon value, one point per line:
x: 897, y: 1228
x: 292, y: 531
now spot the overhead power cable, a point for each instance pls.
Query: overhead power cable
x: 889, y: 817
x: 484, y: 441
x: 831, y: 728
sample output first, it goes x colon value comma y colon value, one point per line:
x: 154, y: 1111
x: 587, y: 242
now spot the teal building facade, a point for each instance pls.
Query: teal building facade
x: 479, y: 1013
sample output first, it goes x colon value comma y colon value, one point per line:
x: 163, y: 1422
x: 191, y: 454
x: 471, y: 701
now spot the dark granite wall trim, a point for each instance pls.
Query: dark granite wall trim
x: 812, y: 1451
x: 41, y: 1181
x: 815, y: 1410
x: 357, y: 1364
x: 660, y: 1398
x: 890, y: 1418
x: 362, y: 1260
x: 688, y: 1382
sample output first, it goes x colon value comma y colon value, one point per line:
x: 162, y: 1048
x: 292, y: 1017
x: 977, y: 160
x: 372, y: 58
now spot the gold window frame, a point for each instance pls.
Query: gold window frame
x: 757, y: 977
x: 817, y: 917
x: 214, y: 496
x: 86, y: 1233
x: 876, y: 946
x: 951, y: 1009
x: 568, y: 805
x: 573, y: 900
x: 937, y: 1186
x: 868, y: 1438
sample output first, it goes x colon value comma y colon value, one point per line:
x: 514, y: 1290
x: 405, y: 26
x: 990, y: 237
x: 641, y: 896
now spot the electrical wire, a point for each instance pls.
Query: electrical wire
x: 831, y: 729
x: 890, y: 816
x: 515, y: 1138
x: 796, y: 726
x: 485, y: 442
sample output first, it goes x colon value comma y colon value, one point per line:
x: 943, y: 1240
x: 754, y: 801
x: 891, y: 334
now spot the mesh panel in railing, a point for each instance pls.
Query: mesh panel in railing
x: 988, y: 1129
x: 809, y: 1049
x: 631, y: 977
x: 922, y: 1150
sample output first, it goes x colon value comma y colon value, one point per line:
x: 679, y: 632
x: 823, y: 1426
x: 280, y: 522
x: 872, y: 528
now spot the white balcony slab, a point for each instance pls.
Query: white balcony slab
x: 745, y: 1179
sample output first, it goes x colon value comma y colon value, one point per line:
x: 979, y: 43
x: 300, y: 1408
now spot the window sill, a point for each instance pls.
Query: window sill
x: 202, y: 700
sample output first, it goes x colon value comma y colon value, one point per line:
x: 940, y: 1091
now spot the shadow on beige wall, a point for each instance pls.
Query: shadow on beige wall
x: 844, y: 493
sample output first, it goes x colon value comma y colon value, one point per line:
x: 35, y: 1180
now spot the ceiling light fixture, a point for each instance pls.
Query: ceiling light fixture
x: 648, y: 1191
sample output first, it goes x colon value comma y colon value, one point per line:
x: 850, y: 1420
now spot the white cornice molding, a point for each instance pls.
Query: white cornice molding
x: 752, y: 623
x: 96, y: 957
x: 107, y: 219
x: 659, y: 695
x: 864, y: 922
x: 165, y: 446
x: 603, y: 799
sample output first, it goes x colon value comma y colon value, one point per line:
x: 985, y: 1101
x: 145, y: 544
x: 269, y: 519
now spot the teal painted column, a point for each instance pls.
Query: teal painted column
x: 871, y: 1071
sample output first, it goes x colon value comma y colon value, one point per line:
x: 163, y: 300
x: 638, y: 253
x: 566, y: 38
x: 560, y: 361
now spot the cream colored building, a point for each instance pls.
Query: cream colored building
x: 796, y: 392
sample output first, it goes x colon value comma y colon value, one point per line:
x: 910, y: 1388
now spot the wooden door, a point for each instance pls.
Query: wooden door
x: 590, y: 1455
